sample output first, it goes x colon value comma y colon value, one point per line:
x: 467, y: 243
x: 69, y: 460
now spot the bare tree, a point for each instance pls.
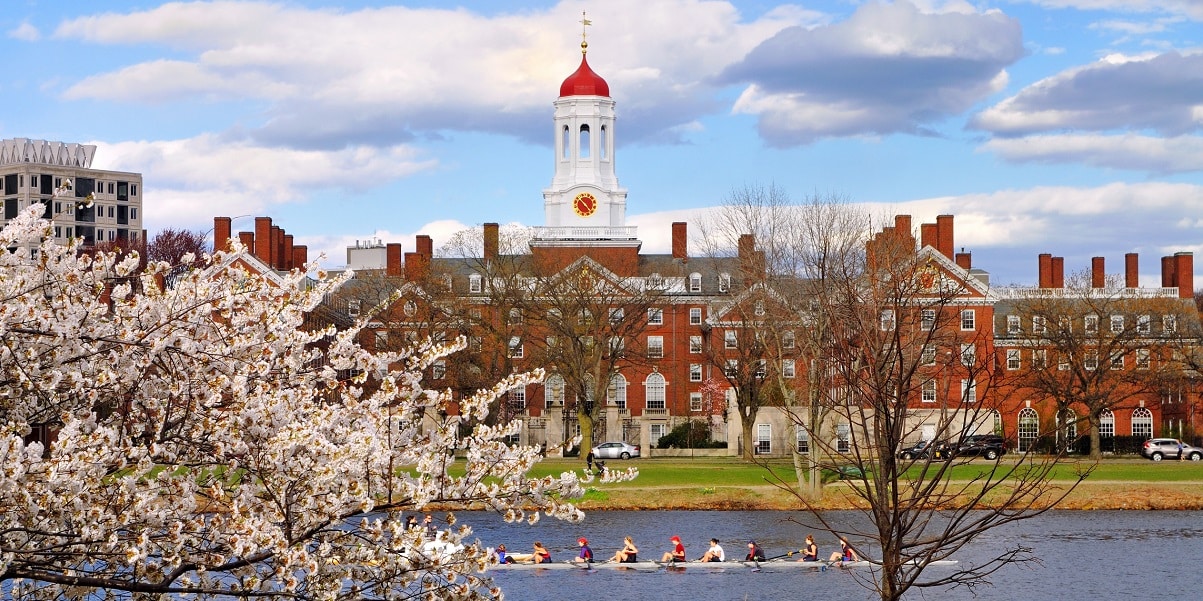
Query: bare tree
x: 909, y: 356
x: 171, y: 245
x: 1093, y: 349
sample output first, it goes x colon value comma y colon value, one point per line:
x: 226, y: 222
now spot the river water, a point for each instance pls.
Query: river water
x: 1085, y: 555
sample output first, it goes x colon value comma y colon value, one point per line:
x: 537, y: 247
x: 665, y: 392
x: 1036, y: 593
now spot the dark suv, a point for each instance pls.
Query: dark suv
x: 990, y: 446
x: 924, y: 450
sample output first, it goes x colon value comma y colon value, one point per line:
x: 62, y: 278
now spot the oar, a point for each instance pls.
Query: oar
x: 786, y: 554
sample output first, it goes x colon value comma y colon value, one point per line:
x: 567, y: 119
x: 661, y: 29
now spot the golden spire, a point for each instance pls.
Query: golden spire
x: 585, y: 22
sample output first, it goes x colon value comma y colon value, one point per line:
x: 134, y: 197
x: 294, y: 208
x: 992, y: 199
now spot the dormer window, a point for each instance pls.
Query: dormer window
x: 655, y: 281
x: 724, y: 282
x: 474, y: 283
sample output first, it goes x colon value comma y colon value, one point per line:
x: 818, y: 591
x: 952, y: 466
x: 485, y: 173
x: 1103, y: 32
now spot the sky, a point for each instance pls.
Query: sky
x: 1070, y: 127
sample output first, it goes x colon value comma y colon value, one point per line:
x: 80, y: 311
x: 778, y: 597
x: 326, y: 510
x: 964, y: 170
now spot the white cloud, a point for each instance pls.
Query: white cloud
x: 190, y: 180
x: 25, y: 32
x: 888, y: 68
x: 1189, y: 8
x: 1131, y: 151
x: 380, y: 75
x: 1161, y: 92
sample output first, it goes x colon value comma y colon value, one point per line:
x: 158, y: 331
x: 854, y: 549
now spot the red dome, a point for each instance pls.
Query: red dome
x: 584, y: 82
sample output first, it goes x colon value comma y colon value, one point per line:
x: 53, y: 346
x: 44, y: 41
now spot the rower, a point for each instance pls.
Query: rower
x: 678, y: 551
x: 755, y: 553
x: 586, y: 554
x: 715, y: 553
x: 846, y: 553
x: 811, y: 551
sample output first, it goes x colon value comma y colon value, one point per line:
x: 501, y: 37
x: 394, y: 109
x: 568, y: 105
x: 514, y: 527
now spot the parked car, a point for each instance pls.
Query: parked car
x: 1169, y: 448
x: 924, y: 449
x: 615, y: 450
x: 990, y: 446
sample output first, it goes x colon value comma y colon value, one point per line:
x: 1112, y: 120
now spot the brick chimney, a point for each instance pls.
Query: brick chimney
x: 965, y: 260
x: 221, y: 233
x: 247, y: 239
x: 392, y: 259
x: 300, y: 255
x: 680, y: 250
x: 417, y: 266
x: 927, y: 235
x: 1167, y: 272
x: 425, y: 246
x: 286, y: 256
x: 944, y: 237
x: 277, y: 247
x: 263, y: 239
x: 750, y: 262
x: 1132, y: 270
x: 492, y: 241
x: 1098, y: 274
x: 1058, y: 272
x: 1046, y: 270
x: 1184, y: 273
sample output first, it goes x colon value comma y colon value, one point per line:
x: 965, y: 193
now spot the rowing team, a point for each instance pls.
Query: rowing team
x: 629, y: 552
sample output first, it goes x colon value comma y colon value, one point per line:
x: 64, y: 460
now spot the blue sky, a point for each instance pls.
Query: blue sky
x: 1063, y: 126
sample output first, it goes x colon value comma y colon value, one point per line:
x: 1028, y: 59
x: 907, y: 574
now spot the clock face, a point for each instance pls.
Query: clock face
x: 584, y: 204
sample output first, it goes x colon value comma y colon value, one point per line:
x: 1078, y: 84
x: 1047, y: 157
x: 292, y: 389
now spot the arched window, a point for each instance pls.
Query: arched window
x: 553, y: 391
x: 1029, y: 429
x: 566, y: 143
x: 584, y: 149
x: 616, y: 394
x: 601, y: 146
x: 1107, y: 424
x: 654, y: 391
x: 695, y: 282
x: 1142, y: 423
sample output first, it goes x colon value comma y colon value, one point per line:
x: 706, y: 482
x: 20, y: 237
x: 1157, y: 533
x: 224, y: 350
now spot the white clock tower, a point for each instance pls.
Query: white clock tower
x: 584, y: 201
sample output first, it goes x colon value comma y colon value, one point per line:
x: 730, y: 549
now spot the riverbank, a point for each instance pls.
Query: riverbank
x: 731, y: 484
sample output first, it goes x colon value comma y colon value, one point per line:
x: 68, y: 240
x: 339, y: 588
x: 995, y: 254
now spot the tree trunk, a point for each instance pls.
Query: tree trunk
x: 747, y: 426
x: 586, y: 422
x: 1096, y: 447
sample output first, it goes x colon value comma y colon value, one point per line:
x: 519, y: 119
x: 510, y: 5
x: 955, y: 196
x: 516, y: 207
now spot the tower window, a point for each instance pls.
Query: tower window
x: 565, y: 142
x: 601, y: 147
x: 584, y: 151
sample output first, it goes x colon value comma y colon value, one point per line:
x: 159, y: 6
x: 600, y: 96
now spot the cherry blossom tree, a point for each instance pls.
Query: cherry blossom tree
x: 197, y: 440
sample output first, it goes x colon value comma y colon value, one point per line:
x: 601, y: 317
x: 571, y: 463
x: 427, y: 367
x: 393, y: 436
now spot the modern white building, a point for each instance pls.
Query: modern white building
x: 91, y: 204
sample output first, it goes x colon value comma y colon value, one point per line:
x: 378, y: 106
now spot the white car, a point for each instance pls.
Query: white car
x: 615, y: 450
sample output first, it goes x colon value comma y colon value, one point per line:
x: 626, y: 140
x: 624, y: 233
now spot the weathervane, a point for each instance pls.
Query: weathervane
x: 585, y: 22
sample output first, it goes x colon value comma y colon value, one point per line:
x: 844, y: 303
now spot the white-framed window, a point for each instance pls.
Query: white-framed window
x: 518, y: 398
x: 695, y: 372
x: 616, y: 315
x: 1117, y: 361
x: 927, y: 319
x: 654, y: 387
x: 928, y: 393
x: 724, y: 282
x: 439, y: 370
x: 732, y: 368
x: 655, y: 347
x: 655, y: 281
x: 1169, y: 324
x: 1013, y: 324
x: 1062, y: 361
x: 695, y: 282
x: 695, y: 316
x: 803, y: 440
x: 353, y: 307
x: 1106, y: 424
x: 1013, y: 361
x: 617, y: 346
x: 787, y: 339
x: 730, y: 339
x: 928, y: 355
x: 516, y: 350
x: 968, y: 354
x: 655, y: 316
x: 968, y: 391
x: 695, y: 401
x: 1144, y: 324
x: 761, y: 368
x: 553, y: 391
x: 695, y: 345
x: 758, y: 308
x: 1117, y: 324
x: 1091, y: 362
x: 764, y: 439
x: 1066, y: 325
x: 843, y: 438
x: 515, y: 316
x: 887, y: 320
x: 1090, y: 323
x: 788, y: 369
x: 381, y: 339
x: 1142, y: 423
x: 656, y: 432
x: 1142, y: 358
x: 1039, y: 325
x: 968, y: 319
x: 1029, y: 428
x: 474, y: 283
x: 616, y: 393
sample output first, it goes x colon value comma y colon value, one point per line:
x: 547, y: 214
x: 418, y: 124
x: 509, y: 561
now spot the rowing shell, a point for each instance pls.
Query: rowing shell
x: 823, y: 565
x: 652, y: 566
